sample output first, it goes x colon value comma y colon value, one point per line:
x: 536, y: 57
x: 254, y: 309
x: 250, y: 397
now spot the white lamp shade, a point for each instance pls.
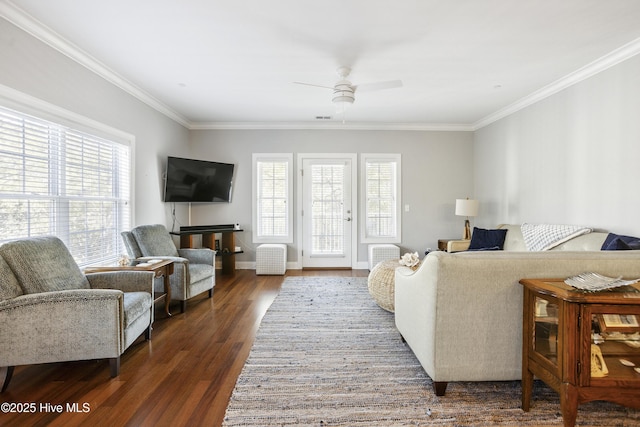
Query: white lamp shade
x: 466, y: 207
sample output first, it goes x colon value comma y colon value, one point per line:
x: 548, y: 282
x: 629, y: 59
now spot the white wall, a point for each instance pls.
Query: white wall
x: 436, y: 169
x: 569, y: 159
x: 35, y: 69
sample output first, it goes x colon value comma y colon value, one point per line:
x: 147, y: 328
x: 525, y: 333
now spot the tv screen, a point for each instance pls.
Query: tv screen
x: 190, y: 180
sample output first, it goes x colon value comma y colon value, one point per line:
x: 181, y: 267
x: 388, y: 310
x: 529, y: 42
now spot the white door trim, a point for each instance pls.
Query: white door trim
x: 354, y: 201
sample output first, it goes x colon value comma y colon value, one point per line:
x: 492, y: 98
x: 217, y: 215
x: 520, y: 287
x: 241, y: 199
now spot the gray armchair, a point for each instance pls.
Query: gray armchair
x: 194, y: 269
x: 51, y: 312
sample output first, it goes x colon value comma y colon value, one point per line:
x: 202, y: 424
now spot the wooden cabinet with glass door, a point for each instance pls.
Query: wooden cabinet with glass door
x: 584, y: 345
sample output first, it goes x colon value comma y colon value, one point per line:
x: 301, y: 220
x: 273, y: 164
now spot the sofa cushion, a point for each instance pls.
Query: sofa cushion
x: 9, y: 287
x: 616, y: 242
x: 542, y: 237
x: 43, y: 264
x: 154, y: 240
x: 483, y: 239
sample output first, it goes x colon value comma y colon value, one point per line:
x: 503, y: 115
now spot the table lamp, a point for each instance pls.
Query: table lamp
x: 466, y: 208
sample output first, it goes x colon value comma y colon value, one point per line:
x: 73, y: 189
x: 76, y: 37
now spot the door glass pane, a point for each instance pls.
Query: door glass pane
x: 327, y: 209
x: 615, y: 345
x: 546, y: 329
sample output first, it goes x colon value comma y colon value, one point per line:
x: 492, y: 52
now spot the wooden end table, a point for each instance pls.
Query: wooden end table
x: 584, y: 345
x: 161, y: 268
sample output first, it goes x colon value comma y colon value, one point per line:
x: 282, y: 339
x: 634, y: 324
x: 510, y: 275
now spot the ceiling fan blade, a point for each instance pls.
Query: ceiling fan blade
x: 310, y: 84
x: 370, y: 87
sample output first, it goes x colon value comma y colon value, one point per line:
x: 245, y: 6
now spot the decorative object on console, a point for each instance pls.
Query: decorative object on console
x: 466, y: 208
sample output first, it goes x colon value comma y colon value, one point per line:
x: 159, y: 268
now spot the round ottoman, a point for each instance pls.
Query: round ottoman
x: 381, y: 283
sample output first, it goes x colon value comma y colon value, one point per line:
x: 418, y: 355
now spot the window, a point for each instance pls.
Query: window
x: 59, y: 181
x: 380, y: 174
x: 272, y: 194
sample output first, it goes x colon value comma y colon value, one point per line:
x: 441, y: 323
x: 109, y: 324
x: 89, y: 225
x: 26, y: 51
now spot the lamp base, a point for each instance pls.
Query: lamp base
x: 467, y: 230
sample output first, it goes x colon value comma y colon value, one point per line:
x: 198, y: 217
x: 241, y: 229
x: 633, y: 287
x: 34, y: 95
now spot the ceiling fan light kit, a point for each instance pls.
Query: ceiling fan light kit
x: 344, y: 91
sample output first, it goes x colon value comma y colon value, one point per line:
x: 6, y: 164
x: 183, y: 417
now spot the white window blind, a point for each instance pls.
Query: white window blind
x: 381, y: 175
x: 272, y: 201
x: 55, y: 180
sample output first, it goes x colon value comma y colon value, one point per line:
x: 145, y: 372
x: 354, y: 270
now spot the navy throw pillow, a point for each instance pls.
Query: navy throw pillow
x: 483, y: 239
x: 616, y: 242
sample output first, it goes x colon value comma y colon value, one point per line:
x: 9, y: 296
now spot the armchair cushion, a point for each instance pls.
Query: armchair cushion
x: 199, y: 272
x: 43, y: 264
x: 154, y: 240
x: 131, y: 245
x: 9, y: 287
x: 136, y: 304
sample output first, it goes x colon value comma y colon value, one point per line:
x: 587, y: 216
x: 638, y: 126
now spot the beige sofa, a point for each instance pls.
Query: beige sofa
x: 461, y: 313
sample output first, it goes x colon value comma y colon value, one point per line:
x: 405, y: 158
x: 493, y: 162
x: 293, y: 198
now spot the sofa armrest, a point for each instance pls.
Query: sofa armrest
x: 125, y: 281
x: 79, y: 324
x: 199, y: 256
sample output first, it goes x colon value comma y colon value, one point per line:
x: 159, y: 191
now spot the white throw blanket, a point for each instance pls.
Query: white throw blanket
x: 542, y: 237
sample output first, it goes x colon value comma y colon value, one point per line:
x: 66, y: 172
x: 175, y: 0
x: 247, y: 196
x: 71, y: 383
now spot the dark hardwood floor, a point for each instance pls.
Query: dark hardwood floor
x: 184, y: 376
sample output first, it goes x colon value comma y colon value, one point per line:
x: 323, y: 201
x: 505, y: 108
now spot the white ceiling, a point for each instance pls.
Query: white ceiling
x: 212, y: 63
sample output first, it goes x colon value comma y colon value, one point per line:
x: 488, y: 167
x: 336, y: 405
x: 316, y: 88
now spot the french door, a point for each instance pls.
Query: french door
x: 327, y: 215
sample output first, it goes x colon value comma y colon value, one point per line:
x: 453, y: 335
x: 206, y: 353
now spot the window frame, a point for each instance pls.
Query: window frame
x: 77, y: 126
x: 365, y: 159
x: 272, y: 157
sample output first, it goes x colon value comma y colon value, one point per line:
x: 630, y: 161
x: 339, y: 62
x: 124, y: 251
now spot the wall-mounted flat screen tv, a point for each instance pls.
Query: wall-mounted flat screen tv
x: 198, y: 181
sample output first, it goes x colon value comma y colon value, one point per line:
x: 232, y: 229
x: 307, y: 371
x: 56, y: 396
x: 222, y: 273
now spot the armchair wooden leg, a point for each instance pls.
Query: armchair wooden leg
x: 114, y: 363
x: 147, y: 333
x: 440, y: 387
x: 183, y: 306
x: 6, y: 372
x: 211, y: 293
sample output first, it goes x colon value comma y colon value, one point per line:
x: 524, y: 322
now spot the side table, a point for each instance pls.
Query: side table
x: 453, y: 245
x: 160, y: 267
x: 584, y: 345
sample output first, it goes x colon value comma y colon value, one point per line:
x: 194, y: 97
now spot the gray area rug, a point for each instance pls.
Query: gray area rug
x: 327, y: 355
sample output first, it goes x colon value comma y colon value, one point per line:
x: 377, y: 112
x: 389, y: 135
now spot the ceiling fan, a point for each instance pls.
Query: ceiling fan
x: 344, y: 91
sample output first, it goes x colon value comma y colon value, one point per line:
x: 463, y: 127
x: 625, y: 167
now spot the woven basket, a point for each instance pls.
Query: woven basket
x: 381, y: 283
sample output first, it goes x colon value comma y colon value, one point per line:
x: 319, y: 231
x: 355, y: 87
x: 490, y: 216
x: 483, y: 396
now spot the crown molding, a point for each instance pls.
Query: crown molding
x: 27, y: 23
x: 329, y: 126
x: 615, y: 57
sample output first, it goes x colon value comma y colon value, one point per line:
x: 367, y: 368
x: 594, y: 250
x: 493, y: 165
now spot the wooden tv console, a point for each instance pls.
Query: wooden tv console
x: 226, y: 251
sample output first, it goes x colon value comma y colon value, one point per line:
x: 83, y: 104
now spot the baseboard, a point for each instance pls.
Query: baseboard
x: 291, y: 265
